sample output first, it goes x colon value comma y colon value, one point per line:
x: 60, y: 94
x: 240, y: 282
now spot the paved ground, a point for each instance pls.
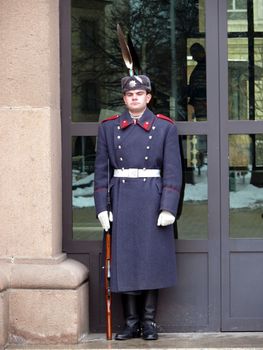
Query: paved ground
x: 191, y: 341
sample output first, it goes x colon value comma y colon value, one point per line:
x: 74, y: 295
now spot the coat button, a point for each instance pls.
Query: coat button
x: 119, y: 146
x: 146, y: 158
x: 150, y: 137
x: 148, y: 147
x: 121, y: 159
x: 123, y: 181
x: 153, y: 127
x: 118, y: 137
x: 144, y: 179
x: 118, y: 127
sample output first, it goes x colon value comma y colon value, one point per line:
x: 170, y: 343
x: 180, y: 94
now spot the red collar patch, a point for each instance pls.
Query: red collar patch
x: 125, y: 123
x: 146, y: 125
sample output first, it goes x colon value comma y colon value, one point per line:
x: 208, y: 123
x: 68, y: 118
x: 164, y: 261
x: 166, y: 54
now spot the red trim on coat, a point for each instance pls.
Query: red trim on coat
x: 173, y: 188
x: 100, y: 189
x: 113, y: 117
x: 161, y: 116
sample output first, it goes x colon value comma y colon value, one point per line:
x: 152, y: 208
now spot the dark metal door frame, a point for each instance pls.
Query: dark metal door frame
x: 232, y: 247
x: 86, y: 251
x: 217, y: 250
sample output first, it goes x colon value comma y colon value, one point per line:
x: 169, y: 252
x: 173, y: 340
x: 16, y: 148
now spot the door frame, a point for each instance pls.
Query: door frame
x: 230, y: 247
x: 218, y: 248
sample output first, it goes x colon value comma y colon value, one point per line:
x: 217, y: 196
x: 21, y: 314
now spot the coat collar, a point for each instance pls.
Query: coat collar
x: 145, y: 121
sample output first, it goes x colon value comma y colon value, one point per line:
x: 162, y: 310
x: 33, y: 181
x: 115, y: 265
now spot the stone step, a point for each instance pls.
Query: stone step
x: 171, y: 341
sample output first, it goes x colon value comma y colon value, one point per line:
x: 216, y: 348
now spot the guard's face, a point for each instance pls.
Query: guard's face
x: 136, y: 100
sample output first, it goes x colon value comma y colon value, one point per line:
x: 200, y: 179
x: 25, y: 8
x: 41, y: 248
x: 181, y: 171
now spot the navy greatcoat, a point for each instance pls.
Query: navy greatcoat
x: 143, y: 254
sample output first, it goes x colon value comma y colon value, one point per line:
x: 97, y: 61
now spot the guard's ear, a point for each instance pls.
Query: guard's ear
x: 124, y: 98
x: 148, y: 97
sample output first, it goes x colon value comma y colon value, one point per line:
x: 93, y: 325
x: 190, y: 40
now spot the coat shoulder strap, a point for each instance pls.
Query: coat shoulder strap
x: 161, y: 116
x: 113, y: 117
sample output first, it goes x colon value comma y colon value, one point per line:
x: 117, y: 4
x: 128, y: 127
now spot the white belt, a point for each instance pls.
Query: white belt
x: 133, y: 172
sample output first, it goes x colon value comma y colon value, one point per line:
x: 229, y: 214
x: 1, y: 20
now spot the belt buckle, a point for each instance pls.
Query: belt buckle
x: 133, y: 172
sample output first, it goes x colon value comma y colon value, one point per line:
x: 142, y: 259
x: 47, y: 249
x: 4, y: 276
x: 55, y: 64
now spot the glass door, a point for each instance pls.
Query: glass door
x: 181, y: 57
x: 242, y: 159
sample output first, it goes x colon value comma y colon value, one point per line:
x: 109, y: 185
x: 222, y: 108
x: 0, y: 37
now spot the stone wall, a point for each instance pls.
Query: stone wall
x: 42, y: 294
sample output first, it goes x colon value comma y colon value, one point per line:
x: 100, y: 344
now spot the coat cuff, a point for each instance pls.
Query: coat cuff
x: 100, y: 198
x: 170, y: 199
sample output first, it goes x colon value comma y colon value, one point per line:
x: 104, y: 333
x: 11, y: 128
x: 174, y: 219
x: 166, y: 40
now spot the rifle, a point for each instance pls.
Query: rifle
x: 107, y: 267
x: 107, y: 285
x: 127, y: 57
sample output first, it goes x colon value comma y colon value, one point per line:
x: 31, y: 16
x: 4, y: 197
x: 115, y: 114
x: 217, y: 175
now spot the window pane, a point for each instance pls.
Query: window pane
x: 258, y: 15
x: 258, y: 73
x: 238, y: 78
x: 241, y: 4
x: 245, y: 80
x: 163, y: 43
x: 245, y: 57
x: 85, y: 224
x: 237, y: 15
x: 246, y: 186
x: 193, y: 221
x: 86, y: 51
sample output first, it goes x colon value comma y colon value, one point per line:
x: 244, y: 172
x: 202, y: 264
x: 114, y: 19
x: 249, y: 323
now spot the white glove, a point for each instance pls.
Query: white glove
x: 105, y: 218
x: 165, y: 218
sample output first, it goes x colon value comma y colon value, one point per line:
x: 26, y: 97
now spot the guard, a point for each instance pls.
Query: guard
x: 138, y: 164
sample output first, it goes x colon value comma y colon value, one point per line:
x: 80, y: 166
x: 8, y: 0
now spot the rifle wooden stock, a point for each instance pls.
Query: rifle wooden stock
x: 107, y: 285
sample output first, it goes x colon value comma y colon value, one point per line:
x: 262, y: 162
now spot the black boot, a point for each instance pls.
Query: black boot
x: 132, y: 322
x: 149, y: 328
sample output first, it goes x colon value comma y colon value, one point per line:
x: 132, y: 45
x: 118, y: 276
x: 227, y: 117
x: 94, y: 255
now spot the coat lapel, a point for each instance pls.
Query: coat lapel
x: 146, y: 120
x: 123, y: 126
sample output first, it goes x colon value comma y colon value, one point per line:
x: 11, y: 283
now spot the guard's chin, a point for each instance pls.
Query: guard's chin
x: 136, y: 110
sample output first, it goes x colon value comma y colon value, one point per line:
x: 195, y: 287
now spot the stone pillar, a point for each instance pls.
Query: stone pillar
x: 35, y: 275
x: 4, y: 311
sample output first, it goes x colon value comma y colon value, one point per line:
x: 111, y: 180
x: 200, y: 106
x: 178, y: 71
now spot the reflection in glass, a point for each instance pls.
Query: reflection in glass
x: 258, y: 15
x: 87, y: 53
x: 237, y: 15
x: 246, y: 186
x: 193, y: 221
x: 238, y: 78
x: 162, y: 34
x: 85, y: 224
x: 258, y: 72
x: 197, y: 104
x: 245, y: 57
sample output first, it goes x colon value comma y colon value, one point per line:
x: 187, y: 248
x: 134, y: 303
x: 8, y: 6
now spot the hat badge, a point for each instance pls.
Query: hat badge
x: 132, y: 83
